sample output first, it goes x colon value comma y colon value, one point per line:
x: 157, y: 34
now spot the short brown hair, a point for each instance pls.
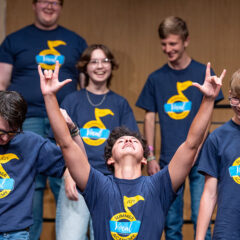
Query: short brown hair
x: 235, y: 83
x: 13, y: 109
x: 86, y: 57
x: 173, y: 25
x: 61, y: 2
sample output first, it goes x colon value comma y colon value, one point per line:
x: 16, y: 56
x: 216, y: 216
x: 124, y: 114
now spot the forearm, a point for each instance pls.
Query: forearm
x: 58, y: 124
x: 149, y: 127
x: 200, y: 124
x: 204, y: 216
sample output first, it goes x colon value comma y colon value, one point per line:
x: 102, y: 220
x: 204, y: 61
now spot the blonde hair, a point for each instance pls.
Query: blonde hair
x: 173, y: 25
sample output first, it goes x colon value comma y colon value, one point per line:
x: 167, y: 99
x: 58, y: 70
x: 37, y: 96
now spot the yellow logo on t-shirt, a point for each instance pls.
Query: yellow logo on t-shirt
x: 234, y: 171
x: 94, y: 132
x: 124, y: 225
x: 48, y: 57
x: 6, y: 183
x: 179, y: 106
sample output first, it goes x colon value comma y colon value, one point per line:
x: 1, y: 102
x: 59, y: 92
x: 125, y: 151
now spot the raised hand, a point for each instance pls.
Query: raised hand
x: 212, y: 84
x: 49, y: 80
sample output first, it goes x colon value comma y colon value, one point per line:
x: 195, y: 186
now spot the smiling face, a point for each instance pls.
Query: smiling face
x: 47, y: 14
x: 99, y: 68
x: 174, y: 47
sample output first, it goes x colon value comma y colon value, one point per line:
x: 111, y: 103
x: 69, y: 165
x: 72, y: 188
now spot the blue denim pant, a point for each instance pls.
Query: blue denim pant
x: 174, y: 220
x: 40, y: 126
x: 72, y: 218
x: 15, y: 235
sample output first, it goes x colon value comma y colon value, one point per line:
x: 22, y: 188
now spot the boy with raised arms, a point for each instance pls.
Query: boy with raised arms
x: 127, y: 205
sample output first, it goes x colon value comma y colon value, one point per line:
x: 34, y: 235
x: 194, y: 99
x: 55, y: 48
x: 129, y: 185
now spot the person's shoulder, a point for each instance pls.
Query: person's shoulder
x: 75, y: 95
x: 197, y: 64
x: 20, y: 32
x: 116, y: 97
x: 70, y: 32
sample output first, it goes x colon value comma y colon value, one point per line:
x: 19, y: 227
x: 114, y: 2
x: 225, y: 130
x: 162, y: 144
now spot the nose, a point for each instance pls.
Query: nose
x: 99, y: 64
x: 128, y: 140
x: 167, y: 48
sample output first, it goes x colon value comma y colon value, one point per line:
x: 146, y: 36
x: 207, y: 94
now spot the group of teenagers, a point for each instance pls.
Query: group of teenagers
x: 88, y: 143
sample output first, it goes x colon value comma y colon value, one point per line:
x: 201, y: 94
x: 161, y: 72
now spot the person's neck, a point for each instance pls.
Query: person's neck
x: 45, y: 28
x: 97, y: 89
x: 236, y: 120
x: 127, y: 169
x: 181, y: 63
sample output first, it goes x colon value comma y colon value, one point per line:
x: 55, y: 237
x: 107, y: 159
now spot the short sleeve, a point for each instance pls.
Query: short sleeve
x: 50, y: 160
x: 6, y: 52
x: 146, y: 99
x: 208, y: 162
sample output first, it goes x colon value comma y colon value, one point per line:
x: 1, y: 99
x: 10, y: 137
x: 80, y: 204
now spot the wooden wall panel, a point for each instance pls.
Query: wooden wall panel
x: 129, y: 28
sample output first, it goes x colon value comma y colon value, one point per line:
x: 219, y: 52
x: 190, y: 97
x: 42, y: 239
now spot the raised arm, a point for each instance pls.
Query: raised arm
x: 74, y: 156
x: 182, y: 161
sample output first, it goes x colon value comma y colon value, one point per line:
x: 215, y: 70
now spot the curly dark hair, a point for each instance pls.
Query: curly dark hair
x: 86, y: 57
x: 13, y: 108
x: 115, y: 135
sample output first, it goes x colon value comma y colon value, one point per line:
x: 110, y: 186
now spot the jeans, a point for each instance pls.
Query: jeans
x: 174, y: 220
x: 15, y: 235
x: 72, y: 218
x: 40, y: 126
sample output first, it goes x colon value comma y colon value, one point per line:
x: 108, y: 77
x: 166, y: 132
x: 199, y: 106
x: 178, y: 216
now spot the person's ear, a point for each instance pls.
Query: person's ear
x: 186, y: 42
x: 144, y: 161
x: 110, y: 161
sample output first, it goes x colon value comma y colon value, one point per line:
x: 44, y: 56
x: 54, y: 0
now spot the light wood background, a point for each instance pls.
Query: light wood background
x: 129, y: 29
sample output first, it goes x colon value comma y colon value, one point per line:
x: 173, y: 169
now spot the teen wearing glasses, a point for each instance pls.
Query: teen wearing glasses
x: 44, y: 43
x: 23, y: 155
x: 220, y: 163
x: 96, y: 110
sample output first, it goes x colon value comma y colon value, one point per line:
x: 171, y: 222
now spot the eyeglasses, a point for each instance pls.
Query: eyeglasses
x: 234, y: 101
x: 9, y: 133
x: 54, y: 5
x: 105, y: 62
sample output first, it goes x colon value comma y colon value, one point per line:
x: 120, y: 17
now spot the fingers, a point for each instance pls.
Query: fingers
x: 208, y: 69
x: 40, y: 71
x: 56, y: 70
x: 48, y: 74
x: 223, y: 74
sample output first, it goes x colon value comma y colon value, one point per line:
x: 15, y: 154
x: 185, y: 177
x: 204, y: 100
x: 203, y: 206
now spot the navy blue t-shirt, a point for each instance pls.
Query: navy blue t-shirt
x: 26, y: 155
x: 169, y: 93
x: 220, y: 158
x: 30, y: 46
x: 96, y: 123
x: 134, y: 209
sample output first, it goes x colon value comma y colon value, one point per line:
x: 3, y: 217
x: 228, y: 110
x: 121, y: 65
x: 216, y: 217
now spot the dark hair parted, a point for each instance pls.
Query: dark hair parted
x: 13, y: 109
x: 115, y: 135
x: 173, y: 25
x: 86, y: 57
x: 61, y: 2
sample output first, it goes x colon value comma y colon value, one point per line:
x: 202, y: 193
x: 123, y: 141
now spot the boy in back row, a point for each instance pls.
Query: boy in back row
x: 128, y: 204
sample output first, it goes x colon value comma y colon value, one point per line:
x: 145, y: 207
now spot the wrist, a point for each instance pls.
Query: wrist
x: 150, y: 158
x: 74, y: 131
